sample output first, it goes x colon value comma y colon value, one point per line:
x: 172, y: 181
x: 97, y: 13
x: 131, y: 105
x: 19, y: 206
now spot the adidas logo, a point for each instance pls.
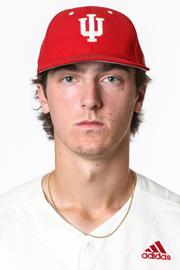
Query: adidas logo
x: 156, y: 252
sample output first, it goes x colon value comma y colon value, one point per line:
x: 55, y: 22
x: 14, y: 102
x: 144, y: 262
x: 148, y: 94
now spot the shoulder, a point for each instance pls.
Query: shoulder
x: 17, y: 207
x: 21, y: 194
x: 157, y: 192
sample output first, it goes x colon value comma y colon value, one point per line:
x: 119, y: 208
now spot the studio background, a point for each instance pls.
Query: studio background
x: 25, y: 152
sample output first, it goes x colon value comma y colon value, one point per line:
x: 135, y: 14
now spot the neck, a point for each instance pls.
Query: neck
x: 91, y: 185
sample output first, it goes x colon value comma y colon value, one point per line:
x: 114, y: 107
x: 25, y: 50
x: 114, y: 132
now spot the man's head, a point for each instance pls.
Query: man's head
x: 89, y: 35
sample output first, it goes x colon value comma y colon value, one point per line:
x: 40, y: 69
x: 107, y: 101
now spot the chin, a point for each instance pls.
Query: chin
x: 91, y: 152
x: 91, y: 149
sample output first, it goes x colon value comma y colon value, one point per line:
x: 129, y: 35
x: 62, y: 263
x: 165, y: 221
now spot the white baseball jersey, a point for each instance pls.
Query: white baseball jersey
x: 34, y: 236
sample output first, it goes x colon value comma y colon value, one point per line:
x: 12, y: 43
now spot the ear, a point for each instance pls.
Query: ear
x: 140, y: 99
x: 42, y: 99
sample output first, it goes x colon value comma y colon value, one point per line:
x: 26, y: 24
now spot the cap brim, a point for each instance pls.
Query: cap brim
x: 92, y: 58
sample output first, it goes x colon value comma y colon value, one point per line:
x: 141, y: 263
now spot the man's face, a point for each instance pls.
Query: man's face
x: 91, y: 106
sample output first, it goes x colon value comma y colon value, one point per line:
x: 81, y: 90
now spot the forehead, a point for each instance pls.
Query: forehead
x: 95, y: 66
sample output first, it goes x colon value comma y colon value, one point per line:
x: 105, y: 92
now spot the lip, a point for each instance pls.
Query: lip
x: 90, y: 124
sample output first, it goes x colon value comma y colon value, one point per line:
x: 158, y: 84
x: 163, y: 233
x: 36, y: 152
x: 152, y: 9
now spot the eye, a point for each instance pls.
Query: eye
x: 68, y: 79
x: 112, y: 79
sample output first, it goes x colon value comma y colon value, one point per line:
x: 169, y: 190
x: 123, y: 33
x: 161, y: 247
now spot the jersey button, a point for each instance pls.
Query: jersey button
x: 90, y: 246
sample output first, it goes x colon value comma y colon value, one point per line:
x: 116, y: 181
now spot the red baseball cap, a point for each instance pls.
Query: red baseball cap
x: 90, y: 33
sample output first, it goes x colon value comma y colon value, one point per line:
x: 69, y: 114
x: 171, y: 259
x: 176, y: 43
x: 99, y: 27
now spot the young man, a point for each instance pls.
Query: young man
x: 92, y: 212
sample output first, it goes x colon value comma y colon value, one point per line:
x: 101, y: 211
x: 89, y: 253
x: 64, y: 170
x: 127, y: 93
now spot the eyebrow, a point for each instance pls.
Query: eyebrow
x: 103, y: 68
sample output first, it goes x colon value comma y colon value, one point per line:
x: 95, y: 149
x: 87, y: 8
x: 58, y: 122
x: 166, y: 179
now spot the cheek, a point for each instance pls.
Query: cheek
x: 58, y: 102
x: 56, y: 108
x: 120, y: 110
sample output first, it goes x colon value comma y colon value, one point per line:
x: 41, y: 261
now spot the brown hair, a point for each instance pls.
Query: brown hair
x: 140, y: 79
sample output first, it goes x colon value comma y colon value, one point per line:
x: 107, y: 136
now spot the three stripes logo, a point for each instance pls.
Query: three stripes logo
x: 156, y: 252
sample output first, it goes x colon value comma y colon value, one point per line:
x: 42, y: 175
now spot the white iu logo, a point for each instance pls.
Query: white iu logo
x: 92, y: 33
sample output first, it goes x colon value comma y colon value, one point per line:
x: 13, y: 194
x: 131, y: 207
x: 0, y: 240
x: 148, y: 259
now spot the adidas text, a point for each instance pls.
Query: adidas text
x: 156, y: 256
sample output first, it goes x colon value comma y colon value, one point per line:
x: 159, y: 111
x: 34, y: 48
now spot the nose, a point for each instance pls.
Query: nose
x: 91, y: 96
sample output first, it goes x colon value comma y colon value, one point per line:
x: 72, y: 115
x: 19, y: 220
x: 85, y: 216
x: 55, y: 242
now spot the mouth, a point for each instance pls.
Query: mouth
x: 90, y: 124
